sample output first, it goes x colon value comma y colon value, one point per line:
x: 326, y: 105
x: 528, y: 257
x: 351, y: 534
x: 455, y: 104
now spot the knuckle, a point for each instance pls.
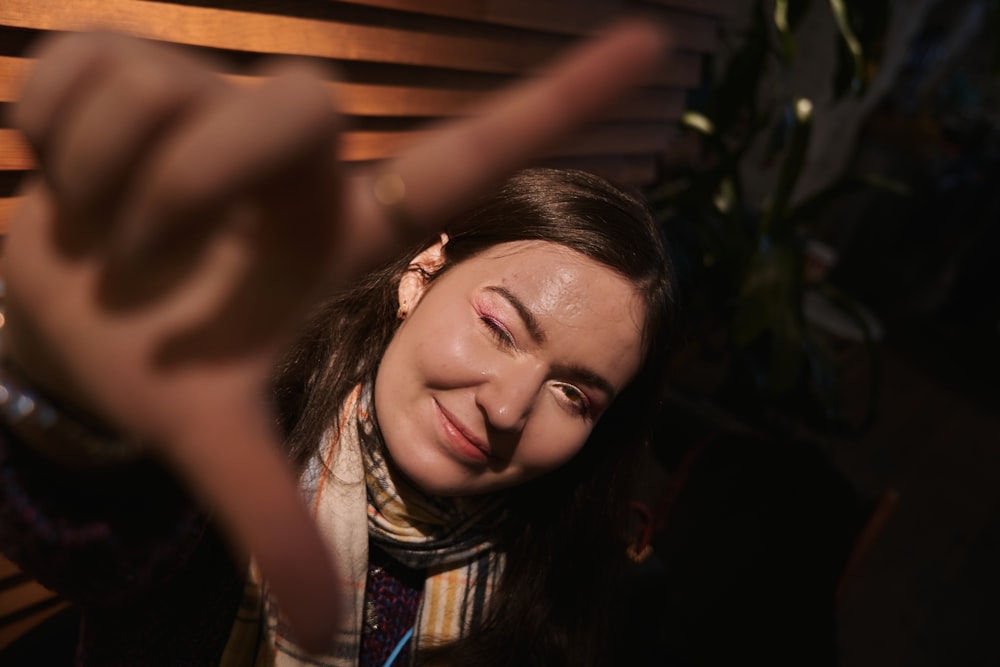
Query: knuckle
x: 46, y: 86
x: 152, y: 89
x: 177, y: 186
x: 303, y: 85
x: 73, y: 44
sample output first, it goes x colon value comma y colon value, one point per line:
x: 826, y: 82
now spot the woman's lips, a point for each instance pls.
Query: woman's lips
x: 467, y: 444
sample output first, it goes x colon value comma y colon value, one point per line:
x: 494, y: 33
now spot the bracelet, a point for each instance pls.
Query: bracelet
x: 54, y: 431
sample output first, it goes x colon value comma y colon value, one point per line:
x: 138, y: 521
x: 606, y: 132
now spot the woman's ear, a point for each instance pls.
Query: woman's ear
x: 414, y: 282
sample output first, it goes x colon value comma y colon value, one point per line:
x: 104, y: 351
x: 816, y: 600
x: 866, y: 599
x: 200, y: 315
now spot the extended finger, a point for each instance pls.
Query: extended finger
x: 434, y: 180
x: 67, y: 65
x: 231, y: 459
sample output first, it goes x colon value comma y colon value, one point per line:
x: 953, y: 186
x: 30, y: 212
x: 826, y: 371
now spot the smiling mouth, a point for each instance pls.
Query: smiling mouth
x: 467, y: 443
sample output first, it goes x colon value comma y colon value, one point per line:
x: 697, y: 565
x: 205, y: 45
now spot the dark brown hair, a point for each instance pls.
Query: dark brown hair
x: 563, y: 541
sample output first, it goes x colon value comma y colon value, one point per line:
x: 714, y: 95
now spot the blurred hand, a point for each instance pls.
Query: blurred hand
x: 179, y: 228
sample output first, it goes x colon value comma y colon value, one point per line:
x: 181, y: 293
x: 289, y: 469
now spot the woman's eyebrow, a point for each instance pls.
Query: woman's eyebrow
x: 589, y: 377
x: 579, y: 373
x: 530, y: 322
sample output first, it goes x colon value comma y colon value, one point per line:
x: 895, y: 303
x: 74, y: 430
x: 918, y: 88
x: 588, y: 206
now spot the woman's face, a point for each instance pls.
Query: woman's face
x: 503, y: 365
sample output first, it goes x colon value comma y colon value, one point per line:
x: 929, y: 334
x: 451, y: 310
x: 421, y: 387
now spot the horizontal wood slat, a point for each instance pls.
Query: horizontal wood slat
x: 716, y: 8
x: 7, y: 568
x: 364, y: 99
x: 363, y: 145
x: 7, y: 206
x: 275, y: 34
x: 696, y: 32
x: 24, y: 595
x: 24, y: 603
x: 15, y: 155
x: 10, y: 633
x: 405, y: 62
x: 13, y: 72
x: 570, y: 16
x: 264, y: 33
x: 613, y: 140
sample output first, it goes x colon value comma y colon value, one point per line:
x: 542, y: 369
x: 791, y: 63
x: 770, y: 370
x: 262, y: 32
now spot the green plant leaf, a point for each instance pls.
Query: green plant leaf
x: 784, y: 30
x: 855, y: 54
x: 780, y: 134
x: 770, y: 297
x: 773, y: 222
x: 725, y: 197
x: 768, y: 311
x: 698, y: 122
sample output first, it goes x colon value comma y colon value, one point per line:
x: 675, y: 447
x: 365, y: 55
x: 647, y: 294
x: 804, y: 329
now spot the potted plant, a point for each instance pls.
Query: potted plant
x: 743, y: 264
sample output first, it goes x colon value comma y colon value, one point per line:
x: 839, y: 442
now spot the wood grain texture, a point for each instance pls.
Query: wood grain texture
x: 571, y: 16
x: 20, y: 600
x: 606, y: 139
x: 275, y: 34
x: 511, y: 53
x: 372, y: 99
x: 13, y: 631
x: 693, y: 31
x: 26, y: 594
x: 23, y: 603
x: 369, y: 99
x: 7, y: 206
x: 13, y: 72
x: 15, y: 155
x: 716, y: 8
x: 7, y: 568
x: 362, y: 145
x: 428, y: 60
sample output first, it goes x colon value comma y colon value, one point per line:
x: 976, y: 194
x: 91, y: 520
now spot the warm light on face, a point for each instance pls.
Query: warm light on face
x: 503, y: 366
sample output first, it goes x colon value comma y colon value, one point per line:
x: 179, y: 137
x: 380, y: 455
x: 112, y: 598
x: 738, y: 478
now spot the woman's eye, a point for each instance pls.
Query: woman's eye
x: 575, y: 398
x: 499, y: 332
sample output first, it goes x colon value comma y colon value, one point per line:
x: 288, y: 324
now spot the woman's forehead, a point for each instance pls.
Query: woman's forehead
x: 558, y: 277
x: 585, y: 308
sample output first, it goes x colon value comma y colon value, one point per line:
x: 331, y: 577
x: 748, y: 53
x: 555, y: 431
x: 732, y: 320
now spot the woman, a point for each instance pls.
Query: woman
x: 493, y: 379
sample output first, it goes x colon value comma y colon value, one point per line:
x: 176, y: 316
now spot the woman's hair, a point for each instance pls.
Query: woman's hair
x: 564, y: 540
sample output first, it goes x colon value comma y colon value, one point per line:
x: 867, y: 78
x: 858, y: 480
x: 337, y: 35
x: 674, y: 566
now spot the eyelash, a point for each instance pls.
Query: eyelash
x: 580, y: 404
x: 499, y: 332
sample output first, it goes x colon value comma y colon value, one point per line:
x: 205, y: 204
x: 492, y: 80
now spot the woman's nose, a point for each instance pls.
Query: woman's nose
x: 508, y: 395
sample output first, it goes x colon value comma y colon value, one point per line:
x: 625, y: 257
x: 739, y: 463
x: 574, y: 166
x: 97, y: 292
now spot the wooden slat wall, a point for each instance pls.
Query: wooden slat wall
x: 23, y: 603
x: 401, y: 63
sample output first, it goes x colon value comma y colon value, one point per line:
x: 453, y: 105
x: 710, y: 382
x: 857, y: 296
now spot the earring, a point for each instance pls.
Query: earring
x: 401, y: 313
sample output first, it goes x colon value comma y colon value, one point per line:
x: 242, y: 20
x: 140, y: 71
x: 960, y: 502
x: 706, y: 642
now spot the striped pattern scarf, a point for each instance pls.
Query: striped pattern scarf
x: 354, y: 499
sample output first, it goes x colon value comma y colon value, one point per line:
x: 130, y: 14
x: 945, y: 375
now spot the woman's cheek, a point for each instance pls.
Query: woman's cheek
x: 543, y: 450
x: 451, y: 356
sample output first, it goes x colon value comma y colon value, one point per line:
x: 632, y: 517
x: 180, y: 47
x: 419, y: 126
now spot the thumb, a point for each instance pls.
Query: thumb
x: 233, y: 462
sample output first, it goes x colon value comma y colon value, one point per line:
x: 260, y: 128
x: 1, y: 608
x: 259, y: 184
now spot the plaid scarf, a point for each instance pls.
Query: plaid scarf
x: 354, y: 499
